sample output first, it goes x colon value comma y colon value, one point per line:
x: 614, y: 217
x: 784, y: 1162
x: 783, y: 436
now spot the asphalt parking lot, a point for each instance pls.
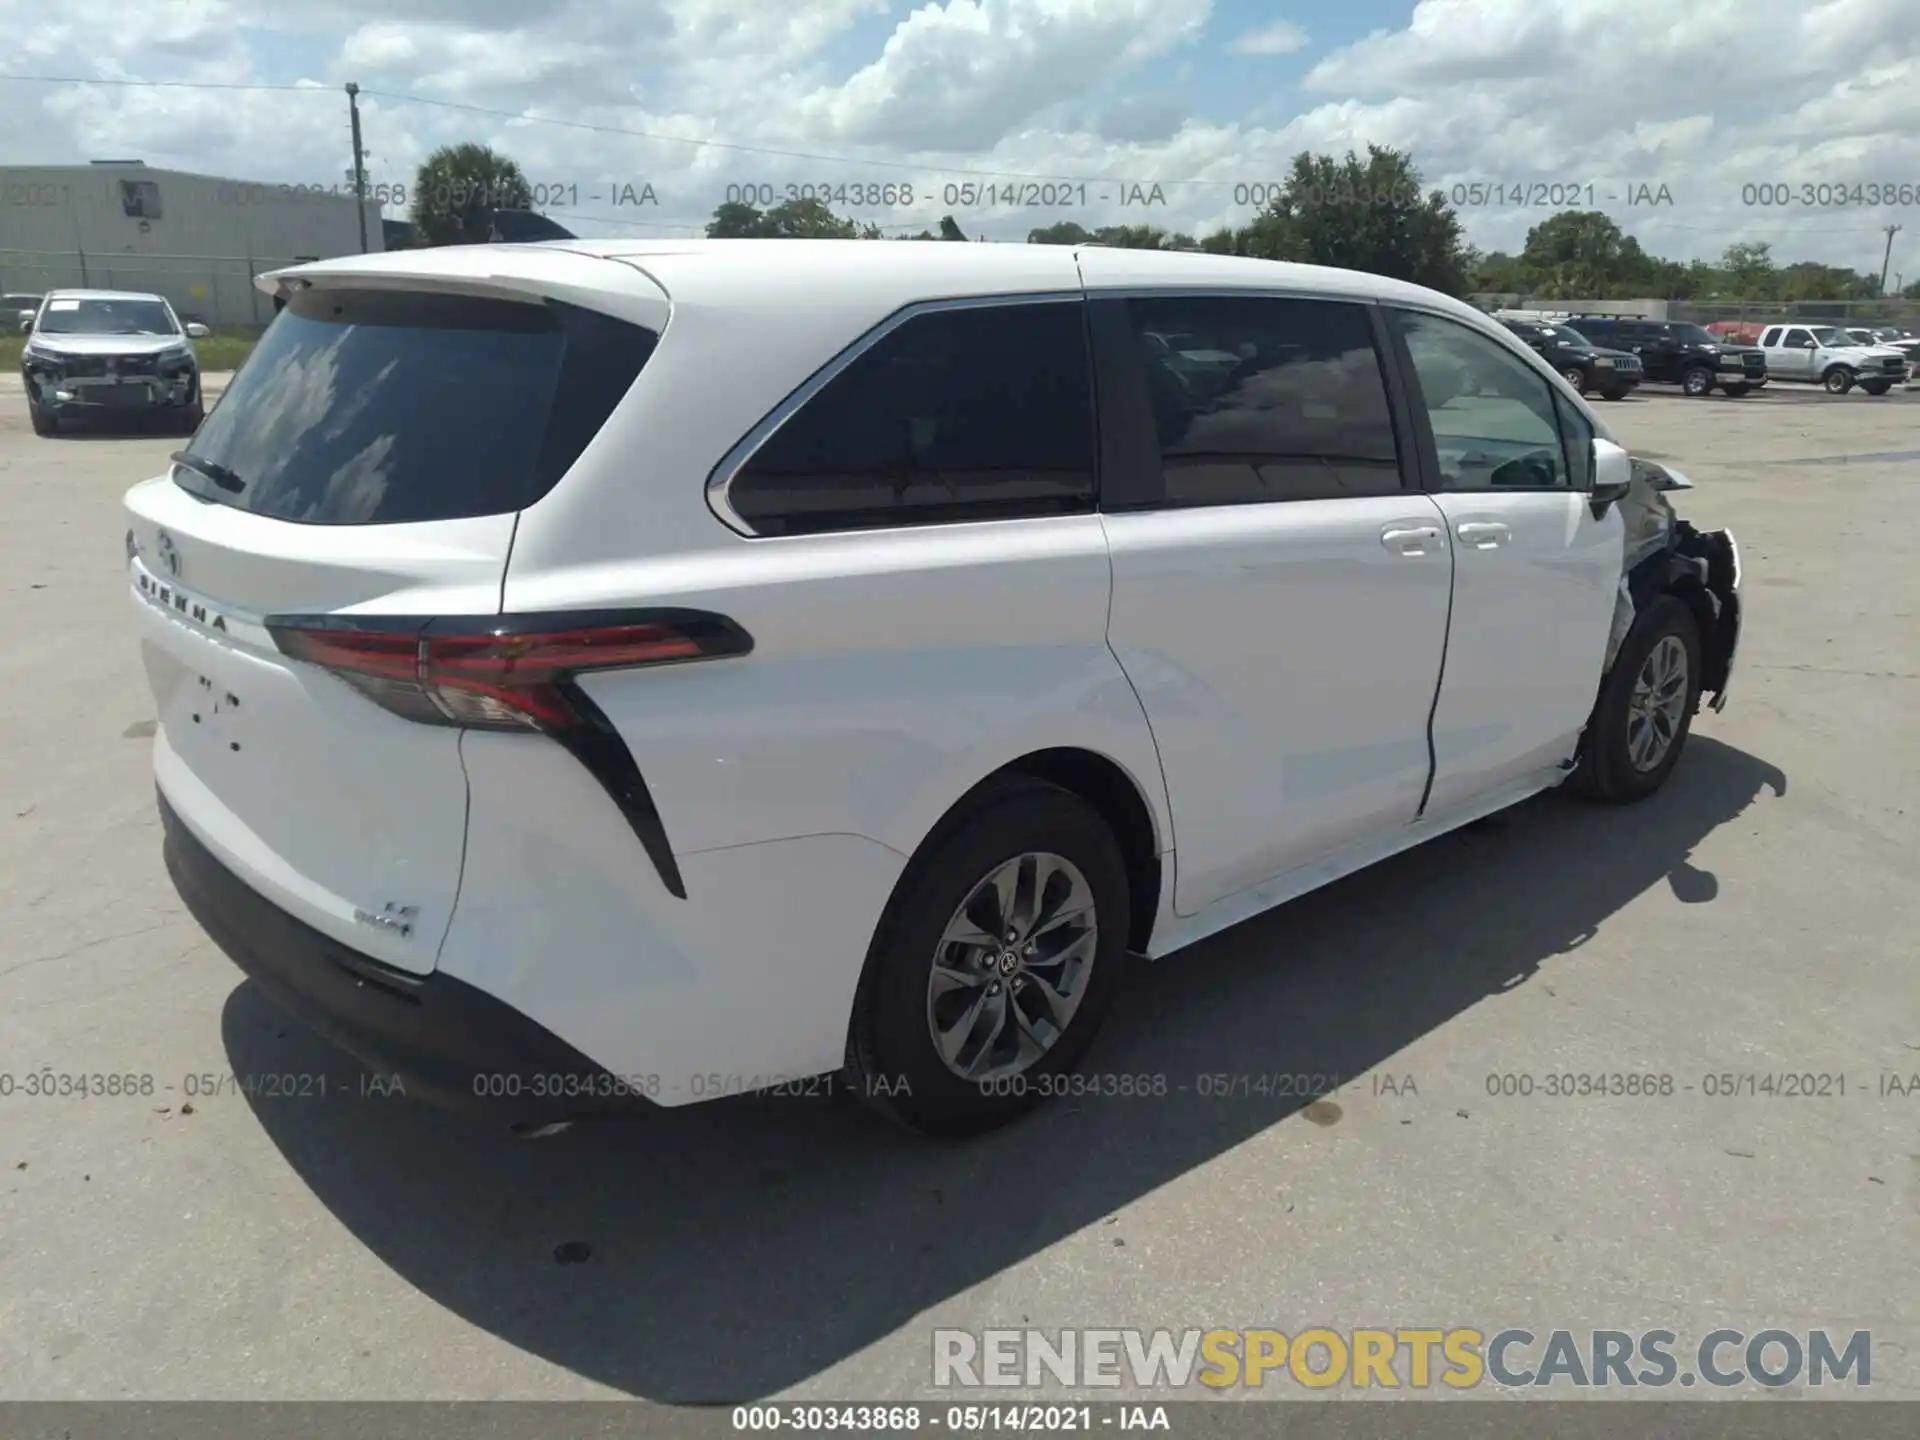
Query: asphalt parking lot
x: 1757, y: 918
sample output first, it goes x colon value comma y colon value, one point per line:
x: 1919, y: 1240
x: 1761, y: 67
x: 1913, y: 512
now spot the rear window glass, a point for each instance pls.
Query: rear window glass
x: 381, y: 408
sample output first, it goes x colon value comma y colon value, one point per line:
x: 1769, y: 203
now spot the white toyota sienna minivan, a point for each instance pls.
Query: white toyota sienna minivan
x: 592, y: 673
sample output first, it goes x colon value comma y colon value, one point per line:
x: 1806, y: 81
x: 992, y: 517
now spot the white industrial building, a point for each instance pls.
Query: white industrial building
x: 197, y: 239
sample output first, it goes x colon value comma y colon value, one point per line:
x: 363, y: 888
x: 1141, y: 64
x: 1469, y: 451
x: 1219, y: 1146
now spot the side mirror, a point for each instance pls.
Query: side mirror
x: 1612, y: 476
x: 197, y: 331
x: 26, y: 324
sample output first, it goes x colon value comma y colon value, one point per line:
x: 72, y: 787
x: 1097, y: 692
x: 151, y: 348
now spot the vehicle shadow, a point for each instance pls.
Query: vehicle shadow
x: 740, y: 1247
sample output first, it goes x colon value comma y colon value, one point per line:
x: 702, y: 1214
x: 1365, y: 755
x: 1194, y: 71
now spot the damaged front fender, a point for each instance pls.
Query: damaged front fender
x: 1666, y: 555
x: 1720, y: 553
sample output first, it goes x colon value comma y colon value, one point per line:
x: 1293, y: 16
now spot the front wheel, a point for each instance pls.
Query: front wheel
x: 1697, y: 381
x: 1645, y: 711
x: 45, y: 422
x: 1838, y: 380
x: 1577, y: 378
x: 1876, y: 387
x: 1000, y: 954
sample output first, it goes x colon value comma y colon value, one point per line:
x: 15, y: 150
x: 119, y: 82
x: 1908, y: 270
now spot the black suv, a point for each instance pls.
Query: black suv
x: 1680, y: 354
x: 1587, y: 367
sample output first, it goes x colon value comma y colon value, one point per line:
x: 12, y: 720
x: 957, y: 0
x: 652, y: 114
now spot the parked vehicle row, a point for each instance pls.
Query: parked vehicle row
x: 1733, y: 358
x: 1680, y: 353
x: 549, y: 724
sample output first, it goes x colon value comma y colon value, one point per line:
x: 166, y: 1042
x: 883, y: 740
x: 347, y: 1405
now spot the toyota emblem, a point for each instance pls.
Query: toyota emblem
x: 169, y: 554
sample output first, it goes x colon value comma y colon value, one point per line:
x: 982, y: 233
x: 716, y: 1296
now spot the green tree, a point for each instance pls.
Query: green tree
x: 1747, y: 272
x: 807, y: 219
x: 1578, y: 254
x: 1064, y: 232
x: 456, y: 190
x: 1114, y: 237
x: 1498, y: 273
x: 1361, y: 215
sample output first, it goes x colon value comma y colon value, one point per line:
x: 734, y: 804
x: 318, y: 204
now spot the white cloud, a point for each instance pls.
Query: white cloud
x: 961, y: 75
x: 1283, y: 37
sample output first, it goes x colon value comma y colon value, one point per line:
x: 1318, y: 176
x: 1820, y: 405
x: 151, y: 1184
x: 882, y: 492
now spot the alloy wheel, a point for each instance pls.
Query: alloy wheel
x: 1012, y: 967
x: 1657, y: 705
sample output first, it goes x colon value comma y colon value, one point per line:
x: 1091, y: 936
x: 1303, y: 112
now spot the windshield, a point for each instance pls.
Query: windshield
x: 1830, y: 336
x: 1560, y: 334
x: 1695, y: 335
x: 106, y: 317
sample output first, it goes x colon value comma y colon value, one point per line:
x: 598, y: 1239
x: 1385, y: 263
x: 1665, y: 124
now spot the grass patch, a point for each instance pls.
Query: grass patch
x: 222, y: 350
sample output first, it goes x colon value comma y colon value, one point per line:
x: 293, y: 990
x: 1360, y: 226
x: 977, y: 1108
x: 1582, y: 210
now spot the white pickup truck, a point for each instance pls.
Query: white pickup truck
x: 1823, y: 355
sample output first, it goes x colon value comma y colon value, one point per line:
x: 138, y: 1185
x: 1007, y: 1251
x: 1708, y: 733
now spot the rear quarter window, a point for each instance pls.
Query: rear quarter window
x: 976, y: 412
x: 381, y: 407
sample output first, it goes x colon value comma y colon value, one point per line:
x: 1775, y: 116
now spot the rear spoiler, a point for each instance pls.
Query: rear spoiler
x: 505, y: 227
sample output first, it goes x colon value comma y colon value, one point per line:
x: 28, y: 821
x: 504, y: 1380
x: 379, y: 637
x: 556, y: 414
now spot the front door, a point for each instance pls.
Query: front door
x: 1796, y: 354
x: 1535, y: 574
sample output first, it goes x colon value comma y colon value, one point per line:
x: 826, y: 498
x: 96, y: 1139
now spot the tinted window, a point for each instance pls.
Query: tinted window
x: 1492, y: 414
x: 105, y: 317
x: 1265, y: 400
x: 972, y: 413
x: 1692, y: 335
x: 367, y: 408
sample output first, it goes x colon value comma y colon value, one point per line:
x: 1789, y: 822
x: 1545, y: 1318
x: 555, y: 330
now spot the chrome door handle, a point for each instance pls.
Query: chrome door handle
x: 1410, y: 539
x: 1484, y: 534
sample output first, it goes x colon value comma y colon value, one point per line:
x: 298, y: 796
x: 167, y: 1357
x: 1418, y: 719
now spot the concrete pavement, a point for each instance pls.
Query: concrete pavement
x: 317, y: 1240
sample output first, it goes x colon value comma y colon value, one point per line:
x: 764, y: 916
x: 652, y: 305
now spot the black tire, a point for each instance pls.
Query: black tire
x: 1838, y: 380
x: 1736, y: 391
x: 45, y: 422
x: 1613, y: 394
x: 1876, y: 387
x: 891, y: 1061
x: 1577, y: 378
x: 1606, y: 770
x: 1698, y: 381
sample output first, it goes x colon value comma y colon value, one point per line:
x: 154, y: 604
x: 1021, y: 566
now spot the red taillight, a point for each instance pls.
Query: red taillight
x: 500, y: 672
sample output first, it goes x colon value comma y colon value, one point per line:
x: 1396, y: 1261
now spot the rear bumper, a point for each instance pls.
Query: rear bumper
x: 446, y: 1041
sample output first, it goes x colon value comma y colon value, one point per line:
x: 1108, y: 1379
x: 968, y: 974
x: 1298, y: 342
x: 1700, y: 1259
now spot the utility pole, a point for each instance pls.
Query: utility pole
x: 360, y: 164
x: 1892, y: 230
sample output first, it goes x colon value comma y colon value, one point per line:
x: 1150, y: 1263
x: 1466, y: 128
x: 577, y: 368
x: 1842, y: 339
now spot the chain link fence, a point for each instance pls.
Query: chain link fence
x: 217, y: 290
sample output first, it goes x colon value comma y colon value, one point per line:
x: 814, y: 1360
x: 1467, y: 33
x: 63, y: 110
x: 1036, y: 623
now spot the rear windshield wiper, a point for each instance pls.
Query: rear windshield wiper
x: 212, y: 469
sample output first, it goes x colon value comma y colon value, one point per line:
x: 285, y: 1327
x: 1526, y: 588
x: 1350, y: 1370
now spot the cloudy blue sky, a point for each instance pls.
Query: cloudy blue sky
x: 1202, y: 97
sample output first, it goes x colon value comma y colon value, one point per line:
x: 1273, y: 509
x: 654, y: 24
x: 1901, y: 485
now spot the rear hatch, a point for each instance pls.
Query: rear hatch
x: 361, y: 476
